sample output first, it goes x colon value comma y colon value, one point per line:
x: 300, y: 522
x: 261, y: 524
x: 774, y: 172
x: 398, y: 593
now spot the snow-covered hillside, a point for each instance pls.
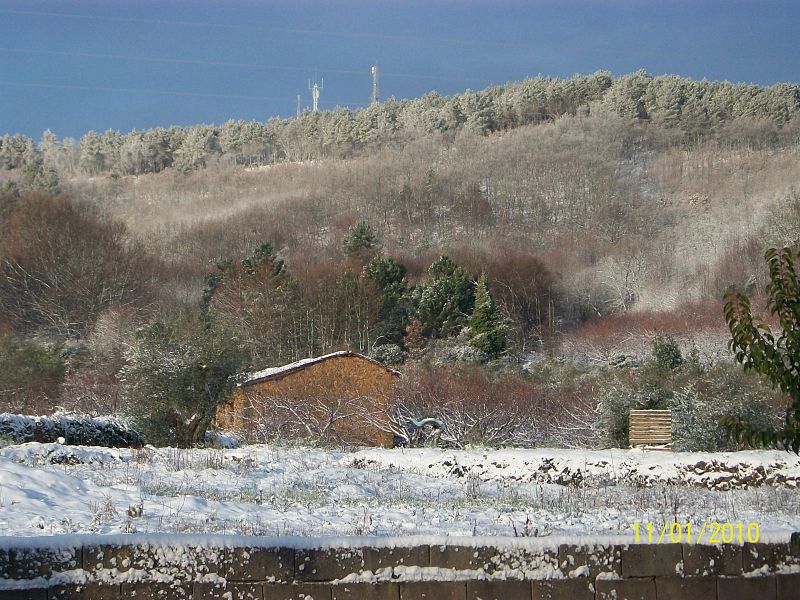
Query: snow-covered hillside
x: 278, y: 491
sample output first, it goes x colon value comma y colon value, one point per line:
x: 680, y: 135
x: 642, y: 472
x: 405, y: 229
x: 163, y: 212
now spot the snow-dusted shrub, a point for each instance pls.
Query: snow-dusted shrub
x: 389, y: 354
x: 613, y: 407
x: 698, y: 407
x: 697, y: 399
x: 221, y: 439
x: 459, y: 353
x: 666, y: 353
x: 73, y: 428
x: 615, y: 403
x: 695, y: 422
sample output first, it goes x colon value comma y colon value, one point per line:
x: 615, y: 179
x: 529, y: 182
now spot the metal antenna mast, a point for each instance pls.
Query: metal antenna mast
x: 315, y: 90
x: 375, y: 96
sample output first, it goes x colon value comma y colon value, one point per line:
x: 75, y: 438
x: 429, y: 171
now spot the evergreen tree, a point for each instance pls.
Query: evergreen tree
x: 30, y: 373
x: 389, y: 277
x: 626, y: 95
x: 14, y: 150
x: 444, y: 302
x: 198, y: 146
x: 359, y: 237
x: 46, y: 180
x: 92, y: 159
x: 666, y: 353
x: 256, y: 299
x: 487, y: 327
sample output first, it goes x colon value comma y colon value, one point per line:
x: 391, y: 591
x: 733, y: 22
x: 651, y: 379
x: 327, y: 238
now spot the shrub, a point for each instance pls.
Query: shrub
x: 389, y: 354
x: 698, y: 407
x: 30, y: 374
x: 698, y: 401
x: 73, y: 428
x: 666, y: 353
x: 474, y: 407
x: 613, y: 407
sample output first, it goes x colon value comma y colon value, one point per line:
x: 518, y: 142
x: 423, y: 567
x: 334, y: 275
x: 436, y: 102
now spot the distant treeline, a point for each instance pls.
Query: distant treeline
x: 691, y: 108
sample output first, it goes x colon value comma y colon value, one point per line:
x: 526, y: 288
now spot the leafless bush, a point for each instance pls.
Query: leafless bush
x: 632, y: 332
x: 470, y: 406
x: 61, y: 266
x: 339, y: 421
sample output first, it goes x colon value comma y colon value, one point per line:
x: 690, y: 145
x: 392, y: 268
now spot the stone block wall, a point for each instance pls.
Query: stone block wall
x: 518, y: 571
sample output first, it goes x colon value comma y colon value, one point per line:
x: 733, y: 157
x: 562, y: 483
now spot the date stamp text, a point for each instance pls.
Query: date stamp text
x: 696, y: 533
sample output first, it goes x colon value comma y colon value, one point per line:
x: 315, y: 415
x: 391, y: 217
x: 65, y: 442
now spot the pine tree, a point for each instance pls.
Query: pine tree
x: 92, y: 160
x: 444, y: 302
x: 359, y: 237
x: 488, y: 328
x: 388, y: 277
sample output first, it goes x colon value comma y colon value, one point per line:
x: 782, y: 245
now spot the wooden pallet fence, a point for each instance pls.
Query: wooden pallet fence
x: 650, y: 429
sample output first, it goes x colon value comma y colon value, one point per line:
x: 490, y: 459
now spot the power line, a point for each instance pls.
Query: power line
x: 215, y: 63
x: 136, y: 90
x: 399, y: 38
x: 332, y: 103
x: 177, y: 61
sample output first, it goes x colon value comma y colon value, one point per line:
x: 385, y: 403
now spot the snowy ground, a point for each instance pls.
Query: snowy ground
x: 278, y: 491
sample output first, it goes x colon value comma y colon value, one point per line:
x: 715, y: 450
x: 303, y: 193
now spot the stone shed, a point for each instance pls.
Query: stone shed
x: 342, y: 396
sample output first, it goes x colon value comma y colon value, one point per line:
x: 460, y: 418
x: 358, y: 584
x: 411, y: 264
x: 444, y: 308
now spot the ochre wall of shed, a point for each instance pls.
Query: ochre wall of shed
x: 365, y: 385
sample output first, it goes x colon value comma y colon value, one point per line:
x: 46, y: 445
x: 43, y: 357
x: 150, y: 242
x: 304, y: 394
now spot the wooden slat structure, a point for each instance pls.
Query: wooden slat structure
x: 650, y: 429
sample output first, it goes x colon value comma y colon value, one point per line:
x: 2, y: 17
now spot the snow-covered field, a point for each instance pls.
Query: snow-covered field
x: 278, y: 491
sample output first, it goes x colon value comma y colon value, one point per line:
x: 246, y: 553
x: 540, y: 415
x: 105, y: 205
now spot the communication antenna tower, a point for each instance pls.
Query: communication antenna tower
x: 375, y: 96
x: 315, y: 90
x: 298, y: 106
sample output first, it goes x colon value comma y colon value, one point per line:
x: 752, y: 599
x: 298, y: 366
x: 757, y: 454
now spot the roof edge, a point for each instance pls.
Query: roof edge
x: 275, y: 372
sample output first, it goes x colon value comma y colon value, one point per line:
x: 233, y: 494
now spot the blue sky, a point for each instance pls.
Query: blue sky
x: 76, y: 65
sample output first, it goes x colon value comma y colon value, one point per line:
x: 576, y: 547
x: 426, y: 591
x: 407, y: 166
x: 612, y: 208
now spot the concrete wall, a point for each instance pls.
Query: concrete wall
x: 565, y: 572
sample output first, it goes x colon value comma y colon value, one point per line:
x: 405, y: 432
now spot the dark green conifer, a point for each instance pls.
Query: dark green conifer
x: 488, y: 328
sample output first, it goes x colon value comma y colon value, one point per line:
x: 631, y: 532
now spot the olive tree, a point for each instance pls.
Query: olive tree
x: 177, y: 373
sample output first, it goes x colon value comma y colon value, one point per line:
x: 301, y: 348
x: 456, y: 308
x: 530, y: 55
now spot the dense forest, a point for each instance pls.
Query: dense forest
x: 691, y: 109
x: 527, y: 237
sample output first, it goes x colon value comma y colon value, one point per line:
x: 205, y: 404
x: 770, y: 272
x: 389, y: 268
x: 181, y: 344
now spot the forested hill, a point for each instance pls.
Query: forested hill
x: 581, y: 219
x: 691, y: 109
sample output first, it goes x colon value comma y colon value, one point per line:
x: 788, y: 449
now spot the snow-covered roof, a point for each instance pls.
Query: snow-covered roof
x: 272, y: 372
